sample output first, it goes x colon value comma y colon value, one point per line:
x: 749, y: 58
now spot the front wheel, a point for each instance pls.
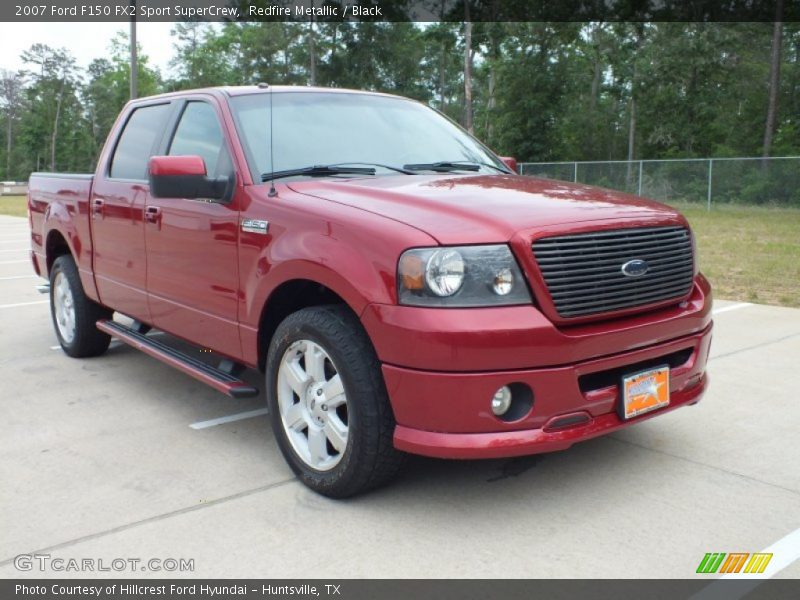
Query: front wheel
x: 328, y: 404
x: 75, y: 315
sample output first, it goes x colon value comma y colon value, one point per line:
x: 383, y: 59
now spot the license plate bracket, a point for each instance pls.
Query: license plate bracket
x: 644, y: 391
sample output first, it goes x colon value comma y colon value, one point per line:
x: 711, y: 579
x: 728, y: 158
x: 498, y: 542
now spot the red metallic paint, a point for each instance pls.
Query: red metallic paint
x: 191, y: 271
x: 176, y: 165
x: 60, y: 207
x: 192, y: 250
x: 476, y: 209
x: 321, y: 241
x: 456, y: 402
x: 520, y: 337
x: 525, y: 441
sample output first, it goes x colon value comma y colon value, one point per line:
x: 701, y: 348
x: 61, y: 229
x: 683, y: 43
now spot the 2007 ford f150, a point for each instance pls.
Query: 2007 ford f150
x: 401, y: 287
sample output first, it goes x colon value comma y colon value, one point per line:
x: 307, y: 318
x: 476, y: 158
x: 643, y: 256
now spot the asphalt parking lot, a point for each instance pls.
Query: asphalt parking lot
x: 123, y: 457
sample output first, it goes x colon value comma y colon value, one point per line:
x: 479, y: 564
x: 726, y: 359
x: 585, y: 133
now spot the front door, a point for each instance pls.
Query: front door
x: 192, y: 265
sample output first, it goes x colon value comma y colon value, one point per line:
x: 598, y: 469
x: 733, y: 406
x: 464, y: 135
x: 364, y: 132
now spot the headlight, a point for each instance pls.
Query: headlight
x: 444, y: 272
x: 463, y: 276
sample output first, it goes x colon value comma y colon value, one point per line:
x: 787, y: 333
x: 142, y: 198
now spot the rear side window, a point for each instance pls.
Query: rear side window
x: 199, y: 133
x: 135, y: 145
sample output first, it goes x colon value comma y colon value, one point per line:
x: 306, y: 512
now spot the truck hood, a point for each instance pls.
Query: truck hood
x: 486, y: 208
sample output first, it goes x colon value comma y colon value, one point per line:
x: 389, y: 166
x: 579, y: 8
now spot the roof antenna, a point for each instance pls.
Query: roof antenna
x: 273, y: 193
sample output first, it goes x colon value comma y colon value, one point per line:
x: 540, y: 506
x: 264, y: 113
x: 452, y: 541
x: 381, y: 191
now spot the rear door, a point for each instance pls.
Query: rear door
x: 119, y: 195
x: 192, y: 254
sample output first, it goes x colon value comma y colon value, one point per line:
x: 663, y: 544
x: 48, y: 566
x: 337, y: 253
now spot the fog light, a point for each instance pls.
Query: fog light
x: 501, y: 401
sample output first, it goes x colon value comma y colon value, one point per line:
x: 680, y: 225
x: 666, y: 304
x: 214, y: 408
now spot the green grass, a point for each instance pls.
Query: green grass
x: 13, y: 205
x: 749, y: 253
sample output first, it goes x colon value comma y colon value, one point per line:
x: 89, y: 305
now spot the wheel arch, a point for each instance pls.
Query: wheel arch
x: 287, y: 298
x: 55, y: 245
x: 64, y: 233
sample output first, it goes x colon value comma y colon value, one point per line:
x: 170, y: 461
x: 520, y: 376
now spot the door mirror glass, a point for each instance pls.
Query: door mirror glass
x: 185, y: 177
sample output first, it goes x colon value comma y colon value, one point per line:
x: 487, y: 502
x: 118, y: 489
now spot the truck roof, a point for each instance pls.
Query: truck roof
x: 241, y: 90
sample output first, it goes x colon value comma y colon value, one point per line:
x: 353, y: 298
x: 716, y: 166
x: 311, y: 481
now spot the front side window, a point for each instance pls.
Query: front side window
x: 199, y: 133
x: 324, y: 128
x: 136, y: 144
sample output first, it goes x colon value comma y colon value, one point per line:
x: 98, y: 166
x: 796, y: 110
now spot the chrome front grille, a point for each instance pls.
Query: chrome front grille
x: 584, y: 275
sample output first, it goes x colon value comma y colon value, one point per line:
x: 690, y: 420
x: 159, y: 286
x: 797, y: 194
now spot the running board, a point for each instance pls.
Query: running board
x: 216, y: 378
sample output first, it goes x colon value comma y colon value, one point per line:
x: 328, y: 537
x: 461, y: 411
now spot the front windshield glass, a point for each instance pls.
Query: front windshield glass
x: 318, y: 128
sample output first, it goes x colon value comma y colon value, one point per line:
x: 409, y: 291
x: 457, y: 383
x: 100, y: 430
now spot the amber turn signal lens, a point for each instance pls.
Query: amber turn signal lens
x: 412, y: 272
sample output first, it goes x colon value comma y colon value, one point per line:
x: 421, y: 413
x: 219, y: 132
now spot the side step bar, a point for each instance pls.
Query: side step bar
x: 216, y: 378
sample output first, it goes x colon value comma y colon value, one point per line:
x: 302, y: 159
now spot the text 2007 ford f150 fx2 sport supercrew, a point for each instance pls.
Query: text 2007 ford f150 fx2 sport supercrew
x: 403, y: 290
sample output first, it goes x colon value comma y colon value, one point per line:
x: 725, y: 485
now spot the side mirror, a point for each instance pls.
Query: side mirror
x: 185, y: 177
x: 510, y: 162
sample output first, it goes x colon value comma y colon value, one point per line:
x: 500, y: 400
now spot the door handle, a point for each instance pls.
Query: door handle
x: 152, y: 214
x: 97, y: 207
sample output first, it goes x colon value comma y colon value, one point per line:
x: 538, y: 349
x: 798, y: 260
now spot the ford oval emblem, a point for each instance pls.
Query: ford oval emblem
x: 635, y: 268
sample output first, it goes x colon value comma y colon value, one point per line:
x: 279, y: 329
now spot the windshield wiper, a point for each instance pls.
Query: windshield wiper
x: 318, y: 171
x: 506, y: 171
x: 444, y: 166
x: 383, y: 166
x: 447, y: 166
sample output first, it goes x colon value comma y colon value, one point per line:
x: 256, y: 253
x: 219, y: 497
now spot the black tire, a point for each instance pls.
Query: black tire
x: 87, y: 339
x: 369, y: 459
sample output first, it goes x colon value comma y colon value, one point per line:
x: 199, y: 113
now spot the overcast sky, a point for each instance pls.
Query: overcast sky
x: 86, y: 41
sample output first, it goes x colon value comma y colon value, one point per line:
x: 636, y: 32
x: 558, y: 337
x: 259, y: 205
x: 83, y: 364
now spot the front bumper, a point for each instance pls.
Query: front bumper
x: 448, y: 415
x: 443, y: 408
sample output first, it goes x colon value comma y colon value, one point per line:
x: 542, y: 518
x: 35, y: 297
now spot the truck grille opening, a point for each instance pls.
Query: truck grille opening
x: 584, y: 274
x: 611, y: 377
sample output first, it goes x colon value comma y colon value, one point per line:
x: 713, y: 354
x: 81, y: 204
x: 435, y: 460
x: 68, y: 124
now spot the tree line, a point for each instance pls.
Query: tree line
x: 538, y: 91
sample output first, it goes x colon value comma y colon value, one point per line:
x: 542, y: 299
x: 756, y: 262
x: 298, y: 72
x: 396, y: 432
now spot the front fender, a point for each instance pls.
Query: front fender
x: 350, y: 251
x: 359, y: 277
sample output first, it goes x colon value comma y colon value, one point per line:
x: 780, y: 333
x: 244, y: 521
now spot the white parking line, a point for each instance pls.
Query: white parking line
x: 14, y: 241
x: 784, y: 552
x: 731, y: 307
x: 237, y: 417
x: 15, y: 250
x: 24, y: 304
x: 12, y: 262
x: 17, y: 277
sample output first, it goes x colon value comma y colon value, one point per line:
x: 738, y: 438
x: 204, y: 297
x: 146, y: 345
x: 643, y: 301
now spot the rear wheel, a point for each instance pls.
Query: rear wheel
x: 75, y: 314
x: 328, y: 404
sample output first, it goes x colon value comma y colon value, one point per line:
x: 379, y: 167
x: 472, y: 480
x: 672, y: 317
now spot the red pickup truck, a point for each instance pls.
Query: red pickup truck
x: 401, y: 287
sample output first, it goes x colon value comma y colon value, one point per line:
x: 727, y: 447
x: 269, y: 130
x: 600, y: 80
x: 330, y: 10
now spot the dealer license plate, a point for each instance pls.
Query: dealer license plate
x: 644, y: 391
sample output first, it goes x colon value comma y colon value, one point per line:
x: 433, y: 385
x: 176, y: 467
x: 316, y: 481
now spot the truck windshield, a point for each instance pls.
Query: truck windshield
x: 319, y: 128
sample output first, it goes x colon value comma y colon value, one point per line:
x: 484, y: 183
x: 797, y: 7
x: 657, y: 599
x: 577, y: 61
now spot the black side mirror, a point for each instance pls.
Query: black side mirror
x: 185, y: 177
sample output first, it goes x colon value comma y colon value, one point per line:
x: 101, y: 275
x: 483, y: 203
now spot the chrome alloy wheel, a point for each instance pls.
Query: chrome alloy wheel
x: 64, y: 308
x: 313, y: 405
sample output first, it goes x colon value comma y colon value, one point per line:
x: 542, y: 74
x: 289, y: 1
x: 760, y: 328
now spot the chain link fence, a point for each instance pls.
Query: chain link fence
x: 770, y: 181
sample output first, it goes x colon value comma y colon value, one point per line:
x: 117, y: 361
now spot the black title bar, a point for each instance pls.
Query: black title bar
x: 400, y: 10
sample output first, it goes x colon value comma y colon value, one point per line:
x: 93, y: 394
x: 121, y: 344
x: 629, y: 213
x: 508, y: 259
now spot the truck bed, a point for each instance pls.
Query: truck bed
x: 62, y: 201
